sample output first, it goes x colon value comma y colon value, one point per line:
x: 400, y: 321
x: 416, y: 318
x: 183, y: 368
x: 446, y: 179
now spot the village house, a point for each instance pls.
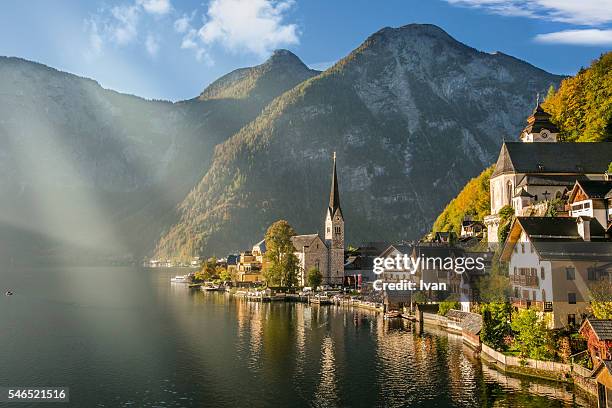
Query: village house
x: 553, y: 261
x: 603, y: 376
x: 471, y: 228
x: 539, y: 169
x: 592, y: 198
x: 598, y: 334
x: 249, y: 268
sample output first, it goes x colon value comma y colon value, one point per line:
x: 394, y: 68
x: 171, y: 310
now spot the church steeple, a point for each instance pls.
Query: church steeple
x: 539, y: 127
x: 334, y: 195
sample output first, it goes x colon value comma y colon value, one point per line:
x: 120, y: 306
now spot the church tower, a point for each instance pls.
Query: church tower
x: 334, y: 233
x: 539, y: 127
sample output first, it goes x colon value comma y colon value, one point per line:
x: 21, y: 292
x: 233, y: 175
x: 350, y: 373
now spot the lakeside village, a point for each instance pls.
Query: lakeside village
x: 541, y: 305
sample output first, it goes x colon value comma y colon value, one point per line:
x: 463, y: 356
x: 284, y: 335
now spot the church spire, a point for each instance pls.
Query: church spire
x: 334, y: 196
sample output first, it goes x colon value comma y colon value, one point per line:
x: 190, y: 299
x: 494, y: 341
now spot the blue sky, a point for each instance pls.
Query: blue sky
x: 171, y: 49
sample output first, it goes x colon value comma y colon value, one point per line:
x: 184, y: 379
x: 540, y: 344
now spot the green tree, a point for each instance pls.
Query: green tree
x: 506, y: 216
x: 601, y: 299
x: 532, y: 337
x: 314, y: 278
x: 496, y: 324
x: 610, y: 168
x: 448, y: 304
x: 283, y: 265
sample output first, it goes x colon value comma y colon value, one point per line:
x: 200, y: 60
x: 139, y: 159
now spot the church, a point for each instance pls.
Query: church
x: 325, y: 254
x: 540, y: 168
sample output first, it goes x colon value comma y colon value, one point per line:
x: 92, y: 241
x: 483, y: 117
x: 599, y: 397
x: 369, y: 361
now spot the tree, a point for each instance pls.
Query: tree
x: 283, y: 265
x: 582, y: 106
x: 209, y: 269
x: 224, y: 275
x: 496, y: 324
x: 506, y: 216
x: 532, y: 336
x: 601, y: 299
x: 610, y: 168
x: 314, y: 278
x: 448, y: 304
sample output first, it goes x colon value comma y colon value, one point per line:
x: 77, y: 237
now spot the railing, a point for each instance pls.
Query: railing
x: 525, y: 280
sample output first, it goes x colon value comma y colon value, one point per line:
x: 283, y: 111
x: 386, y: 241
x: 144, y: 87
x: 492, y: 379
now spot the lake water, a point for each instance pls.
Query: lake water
x: 121, y: 337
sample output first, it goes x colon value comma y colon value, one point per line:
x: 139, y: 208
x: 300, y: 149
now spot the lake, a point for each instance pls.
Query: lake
x: 123, y: 337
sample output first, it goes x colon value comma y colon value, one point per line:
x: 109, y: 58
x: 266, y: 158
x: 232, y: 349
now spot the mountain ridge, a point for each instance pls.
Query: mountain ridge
x: 388, y: 108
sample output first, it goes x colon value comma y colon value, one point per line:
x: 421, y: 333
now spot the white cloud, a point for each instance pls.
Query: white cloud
x: 95, y: 41
x: 123, y: 29
x: 155, y: 6
x: 577, y: 37
x: 152, y: 45
x: 581, y: 12
x: 255, y: 26
x: 182, y: 24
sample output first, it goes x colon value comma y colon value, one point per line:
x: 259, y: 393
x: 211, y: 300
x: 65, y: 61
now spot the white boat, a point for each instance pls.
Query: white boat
x: 181, y: 279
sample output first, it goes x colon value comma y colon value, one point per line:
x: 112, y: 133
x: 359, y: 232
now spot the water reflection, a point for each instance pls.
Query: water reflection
x: 167, y: 345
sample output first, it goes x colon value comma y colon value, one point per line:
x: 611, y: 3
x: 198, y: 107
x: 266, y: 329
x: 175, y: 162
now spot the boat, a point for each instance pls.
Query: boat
x: 181, y: 279
x: 320, y: 300
x: 392, y: 314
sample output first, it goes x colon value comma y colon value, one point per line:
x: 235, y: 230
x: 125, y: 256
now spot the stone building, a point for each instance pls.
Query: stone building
x: 326, y: 255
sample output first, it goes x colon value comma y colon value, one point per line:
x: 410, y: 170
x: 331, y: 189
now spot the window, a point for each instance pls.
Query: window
x: 571, y: 319
x: 337, y: 229
x: 571, y: 298
x: 592, y: 274
x: 570, y: 273
x: 543, y: 295
x: 522, y: 247
x: 542, y: 273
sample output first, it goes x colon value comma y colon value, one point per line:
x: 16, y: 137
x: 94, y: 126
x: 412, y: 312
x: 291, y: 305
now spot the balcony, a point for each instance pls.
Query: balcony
x: 525, y: 280
x: 534, y: 304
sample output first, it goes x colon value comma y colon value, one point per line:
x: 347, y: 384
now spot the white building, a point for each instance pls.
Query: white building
x: 552, y: 263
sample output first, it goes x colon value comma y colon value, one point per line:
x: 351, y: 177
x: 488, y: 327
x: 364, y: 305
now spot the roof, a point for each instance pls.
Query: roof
x: 549, y: 180
x: 593, y: 189
x: 261, y: 244
x: 607, y: 364
x: 300, y: 241
x: 523, y: 193
x: 334, y: 195
x: 539, y: 119
x: 601, y: 327
x: 551, y: 158
x: 467, y: 223
x: 470, y: 322
x: 559, y: 238
x: 435, y: 251
x: 401, y: 248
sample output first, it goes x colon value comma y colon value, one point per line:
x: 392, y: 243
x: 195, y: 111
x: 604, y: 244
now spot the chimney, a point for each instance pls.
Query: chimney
x: 584, y: 227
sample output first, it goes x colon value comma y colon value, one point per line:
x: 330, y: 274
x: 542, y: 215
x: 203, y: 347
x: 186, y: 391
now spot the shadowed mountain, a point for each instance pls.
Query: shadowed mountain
x: 92, y: 170
x: 412, y: 113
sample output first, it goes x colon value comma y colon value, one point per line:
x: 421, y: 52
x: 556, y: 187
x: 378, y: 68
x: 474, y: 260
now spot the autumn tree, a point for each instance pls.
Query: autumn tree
x: 283, y: 265
x: 582, y: 106
x: 314, y: 278
x: 601, y: 299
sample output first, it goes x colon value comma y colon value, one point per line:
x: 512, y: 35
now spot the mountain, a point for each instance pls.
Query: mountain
x: 96, y: 170
x: 412, y: 113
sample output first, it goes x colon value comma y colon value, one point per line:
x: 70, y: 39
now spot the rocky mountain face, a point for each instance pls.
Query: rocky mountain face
x: 90, y: 168
x: 412, y: 114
